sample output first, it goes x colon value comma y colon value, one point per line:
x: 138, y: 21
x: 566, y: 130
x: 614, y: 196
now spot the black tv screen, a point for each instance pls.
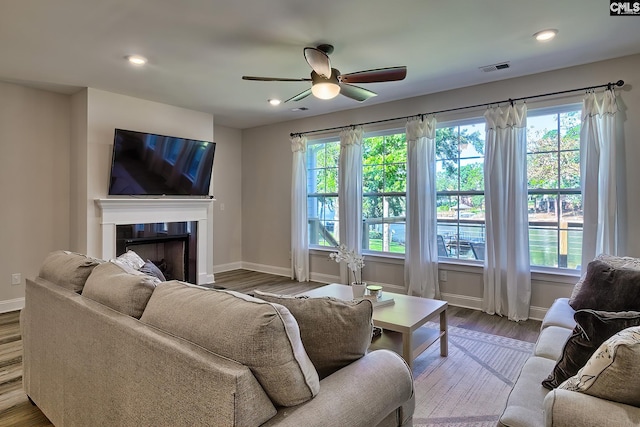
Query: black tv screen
x: 146, y: 164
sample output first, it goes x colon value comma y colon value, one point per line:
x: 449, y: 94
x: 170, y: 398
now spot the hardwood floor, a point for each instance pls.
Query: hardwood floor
x: 16, y: 410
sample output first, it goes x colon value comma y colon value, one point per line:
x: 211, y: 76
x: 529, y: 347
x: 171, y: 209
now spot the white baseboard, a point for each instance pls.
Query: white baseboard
x: 474, y: 303
x: 324, y: 278
x: 463, y: 301
x: 227, y: 267
x: 261, y: 268
x: 11, y: 305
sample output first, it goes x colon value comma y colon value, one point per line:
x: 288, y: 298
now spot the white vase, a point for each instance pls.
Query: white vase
x: 358, y: 289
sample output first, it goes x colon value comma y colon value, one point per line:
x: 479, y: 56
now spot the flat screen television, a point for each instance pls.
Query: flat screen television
x: 147, y: 164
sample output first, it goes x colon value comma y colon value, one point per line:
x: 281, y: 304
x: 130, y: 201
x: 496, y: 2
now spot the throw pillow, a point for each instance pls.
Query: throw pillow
x: 334, y: 332
x: 262, y: 336
x: 120, y: 287
x: 613, y: 261
x: 612, y: 372
x: 68, y: 269
x: 150, y: 269
x: 131, y: 259
x: 607, y: 288
x: 592, y: 329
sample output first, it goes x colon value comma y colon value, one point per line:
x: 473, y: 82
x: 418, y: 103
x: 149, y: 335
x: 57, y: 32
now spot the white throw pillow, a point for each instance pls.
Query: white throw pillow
x: 613, y: 371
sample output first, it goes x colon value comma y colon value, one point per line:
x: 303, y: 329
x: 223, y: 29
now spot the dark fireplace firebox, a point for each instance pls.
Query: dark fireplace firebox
x: 168, y: 245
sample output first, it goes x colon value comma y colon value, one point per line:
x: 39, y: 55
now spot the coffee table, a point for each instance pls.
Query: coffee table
x: 400, y: 321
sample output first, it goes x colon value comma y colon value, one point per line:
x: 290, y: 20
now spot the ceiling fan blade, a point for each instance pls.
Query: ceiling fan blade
x: 300, y: 96
x: 375, y: 76
x: 274, y: 79
x: 355, y: 92
x: 318, y: 60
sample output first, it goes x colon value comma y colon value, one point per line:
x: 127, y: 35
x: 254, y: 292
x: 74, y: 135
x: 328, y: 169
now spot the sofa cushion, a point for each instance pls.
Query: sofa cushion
x: 592, y: 329
x: 559, y: 314
x: 68, y: 269
x: 524, y: 404
x: 120, y: 287
x: 334, y: 332
x: 260, y: 335
x: 613, y: 371
x: 549, y: 342
x: 608, y: 288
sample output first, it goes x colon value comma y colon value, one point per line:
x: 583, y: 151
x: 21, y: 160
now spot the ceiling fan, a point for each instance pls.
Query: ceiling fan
x: 327, y: 82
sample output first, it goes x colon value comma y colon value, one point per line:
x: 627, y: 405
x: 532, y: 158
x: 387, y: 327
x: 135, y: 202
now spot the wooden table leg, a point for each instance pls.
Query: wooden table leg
x: 444, y: 339
x: 407, y: 348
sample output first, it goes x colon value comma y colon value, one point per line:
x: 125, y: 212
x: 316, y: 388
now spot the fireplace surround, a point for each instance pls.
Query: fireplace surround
x: 122, y: 211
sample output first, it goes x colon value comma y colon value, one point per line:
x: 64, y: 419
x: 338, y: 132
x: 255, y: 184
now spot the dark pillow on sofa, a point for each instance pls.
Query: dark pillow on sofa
x: 592, y: 329
x: 607, y: 288
x: 150, y: 269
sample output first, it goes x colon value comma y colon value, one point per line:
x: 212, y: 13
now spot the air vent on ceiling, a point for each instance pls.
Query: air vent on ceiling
x: 495, y: 67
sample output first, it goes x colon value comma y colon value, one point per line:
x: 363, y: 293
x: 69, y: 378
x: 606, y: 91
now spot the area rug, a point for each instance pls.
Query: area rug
x: 469, y: 387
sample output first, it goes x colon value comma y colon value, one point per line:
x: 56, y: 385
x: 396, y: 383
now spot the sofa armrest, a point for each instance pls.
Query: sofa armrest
x: 570, y: 408
x: 362, y: 394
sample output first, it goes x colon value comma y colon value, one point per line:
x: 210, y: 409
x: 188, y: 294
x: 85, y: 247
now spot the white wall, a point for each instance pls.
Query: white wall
x: 227, y: 189
x: 107, y: 111
x: 34, y: 183
x: 266, y: 177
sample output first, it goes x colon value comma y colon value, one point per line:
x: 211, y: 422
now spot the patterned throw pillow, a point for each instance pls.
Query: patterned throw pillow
x: 613, y: 370
x: 131, y: 259
x: 592, y: 329
x: 334, y: 332
x: 150, y: 269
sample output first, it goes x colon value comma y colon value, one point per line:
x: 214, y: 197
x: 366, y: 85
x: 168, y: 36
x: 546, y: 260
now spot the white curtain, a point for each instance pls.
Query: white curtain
x: 299, y: 228
x: 350, y: 194
x: 598, y: 179
x: 507, y: 280
x: 421, y: 251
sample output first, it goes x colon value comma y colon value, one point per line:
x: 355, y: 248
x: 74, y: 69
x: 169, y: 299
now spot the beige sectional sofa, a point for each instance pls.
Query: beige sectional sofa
x: 532, y: 405
x: 105, y: 344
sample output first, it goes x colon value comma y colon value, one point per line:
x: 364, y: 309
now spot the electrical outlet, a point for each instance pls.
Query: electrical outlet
x: 221, y: 206
x: 16, y: 278
x: 443, y: 275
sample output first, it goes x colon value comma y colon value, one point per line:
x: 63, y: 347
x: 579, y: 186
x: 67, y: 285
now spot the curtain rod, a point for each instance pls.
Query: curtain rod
x: 609, y: 86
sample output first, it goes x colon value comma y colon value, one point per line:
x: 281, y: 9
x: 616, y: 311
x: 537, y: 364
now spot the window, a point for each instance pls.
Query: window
x: 555, y: 200
x: 384, y: 188
x: 460, y: 191
x: 322, y: 193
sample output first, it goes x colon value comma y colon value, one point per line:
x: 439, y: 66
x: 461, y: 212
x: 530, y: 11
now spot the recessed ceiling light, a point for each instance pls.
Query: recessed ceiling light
x: 274, y: 101
x: 136, y: 59
x: 545, y: 35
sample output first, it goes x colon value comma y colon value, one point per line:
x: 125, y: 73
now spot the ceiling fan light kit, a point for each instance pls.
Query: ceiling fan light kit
x: 325, y: 88
x: 327, y: 82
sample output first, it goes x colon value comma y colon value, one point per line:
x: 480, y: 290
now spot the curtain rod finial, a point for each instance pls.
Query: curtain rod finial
x: 620, y: 83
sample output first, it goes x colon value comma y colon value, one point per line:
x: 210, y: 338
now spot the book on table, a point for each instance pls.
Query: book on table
x: 380, y: 301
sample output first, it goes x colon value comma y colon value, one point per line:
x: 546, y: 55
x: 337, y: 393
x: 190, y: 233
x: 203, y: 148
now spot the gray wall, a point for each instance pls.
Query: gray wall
x: 266, y: 185
x: 34, y: 183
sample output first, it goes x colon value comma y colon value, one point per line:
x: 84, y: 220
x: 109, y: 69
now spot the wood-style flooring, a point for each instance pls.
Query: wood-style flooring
x: 16, y: 410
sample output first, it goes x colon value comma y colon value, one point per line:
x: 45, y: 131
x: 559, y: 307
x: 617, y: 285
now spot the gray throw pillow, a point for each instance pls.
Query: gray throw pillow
x: 120, y: 287
x: 334, y: 332
x: 592, y: 329
x: 607, y: 288
x: 150, y: 269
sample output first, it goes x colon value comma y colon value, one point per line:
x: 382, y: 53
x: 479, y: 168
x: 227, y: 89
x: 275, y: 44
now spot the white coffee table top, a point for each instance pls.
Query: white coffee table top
x: 406, y: 314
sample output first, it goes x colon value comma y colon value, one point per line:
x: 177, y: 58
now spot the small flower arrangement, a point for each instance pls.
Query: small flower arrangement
x: 354, y: 261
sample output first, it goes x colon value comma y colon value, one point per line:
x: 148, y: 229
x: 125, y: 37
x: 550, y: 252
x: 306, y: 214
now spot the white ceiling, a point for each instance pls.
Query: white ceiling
x: 198, y: 50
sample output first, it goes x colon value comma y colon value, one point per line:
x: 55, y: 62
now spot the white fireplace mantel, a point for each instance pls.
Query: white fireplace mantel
x: 143, y: 211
